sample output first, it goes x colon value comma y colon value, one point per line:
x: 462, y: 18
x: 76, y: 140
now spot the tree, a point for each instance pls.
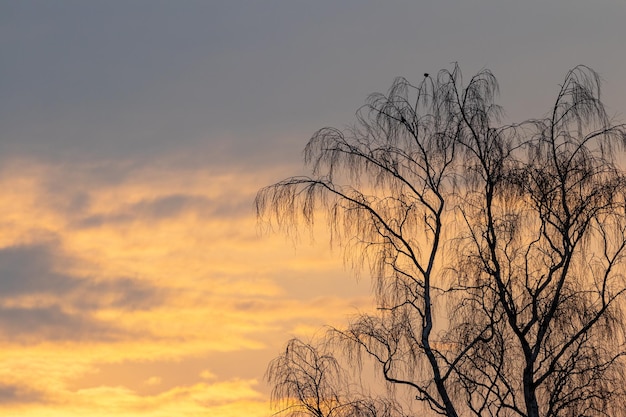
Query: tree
x: 497, y: 250
x: 309, y: 382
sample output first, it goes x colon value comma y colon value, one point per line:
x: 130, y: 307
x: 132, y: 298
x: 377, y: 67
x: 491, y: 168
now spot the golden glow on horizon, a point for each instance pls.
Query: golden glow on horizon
x: 160, y: 268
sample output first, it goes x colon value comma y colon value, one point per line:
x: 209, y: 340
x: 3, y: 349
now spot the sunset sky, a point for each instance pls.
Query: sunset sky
x: 134, y: 277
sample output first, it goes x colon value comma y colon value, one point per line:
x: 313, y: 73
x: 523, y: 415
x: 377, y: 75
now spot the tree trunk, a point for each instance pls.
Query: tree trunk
x: 530, y: 396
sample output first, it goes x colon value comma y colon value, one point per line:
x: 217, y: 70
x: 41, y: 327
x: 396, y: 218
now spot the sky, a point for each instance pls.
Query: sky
x: 135, y: 279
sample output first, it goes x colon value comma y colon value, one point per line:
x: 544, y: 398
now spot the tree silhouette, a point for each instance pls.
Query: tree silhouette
x: 497, y: 250
x: 309, y: 382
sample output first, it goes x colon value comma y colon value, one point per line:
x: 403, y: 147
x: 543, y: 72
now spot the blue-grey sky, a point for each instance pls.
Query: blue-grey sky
x: 133, y: 137
x: 112, y: 78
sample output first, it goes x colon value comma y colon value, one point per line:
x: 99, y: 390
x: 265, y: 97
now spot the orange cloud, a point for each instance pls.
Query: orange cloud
x: 147, y: 265
x: 228, y: 398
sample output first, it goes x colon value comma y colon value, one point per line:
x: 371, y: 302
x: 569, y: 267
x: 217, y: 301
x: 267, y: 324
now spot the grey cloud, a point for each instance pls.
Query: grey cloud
x: 151, y: 210
x: 53, y: 324
x: 250, y: 306
x: 168, y: 207
x: 29, y: 270
x: 16, y: 394
x: 123, y: 293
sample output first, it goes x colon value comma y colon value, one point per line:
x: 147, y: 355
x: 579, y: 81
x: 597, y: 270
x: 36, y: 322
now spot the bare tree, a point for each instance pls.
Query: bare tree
x: 497, y: 250
x: 309, y: 382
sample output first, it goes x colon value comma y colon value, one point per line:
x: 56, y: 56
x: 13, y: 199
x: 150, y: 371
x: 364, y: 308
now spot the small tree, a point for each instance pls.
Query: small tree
x: 309, y: 382
x: 497, y: 250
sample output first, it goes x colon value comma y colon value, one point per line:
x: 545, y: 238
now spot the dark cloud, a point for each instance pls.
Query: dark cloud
x: 250, y: 306
x: 53, y: 324
x: 161, y: 208
x: 29, y: 271
x: 122, y: 293
x: 11, y: 394
x: 168, y: 207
